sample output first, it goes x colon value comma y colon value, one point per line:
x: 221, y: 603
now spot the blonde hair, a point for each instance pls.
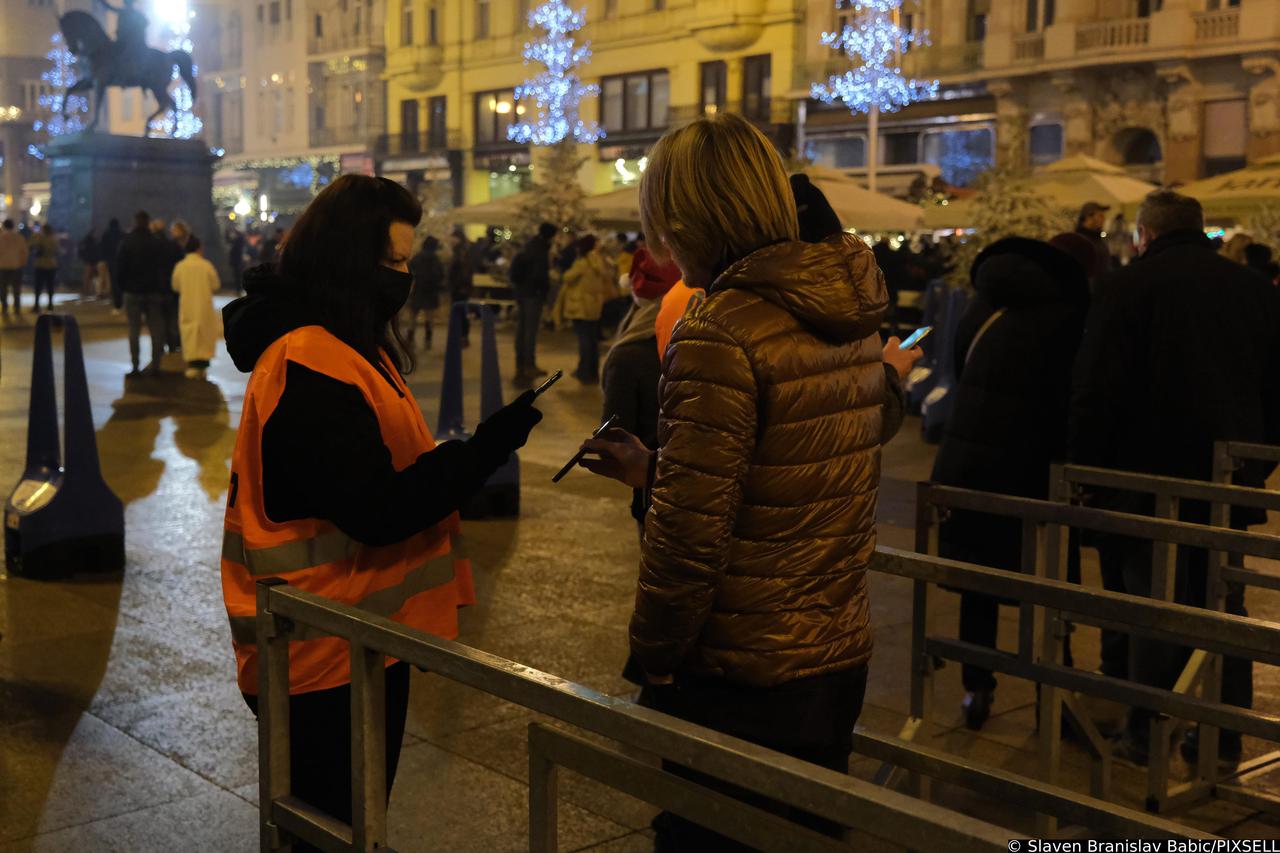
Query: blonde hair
x: 714, y: 192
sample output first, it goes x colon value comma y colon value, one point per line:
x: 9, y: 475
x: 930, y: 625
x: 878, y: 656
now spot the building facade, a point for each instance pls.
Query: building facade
x: 292, y: 95
x: 1174, y: 90
x: 453, y: 65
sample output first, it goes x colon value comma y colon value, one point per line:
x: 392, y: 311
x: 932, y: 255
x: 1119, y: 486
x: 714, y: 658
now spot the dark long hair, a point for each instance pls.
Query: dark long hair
x: 333, y: 252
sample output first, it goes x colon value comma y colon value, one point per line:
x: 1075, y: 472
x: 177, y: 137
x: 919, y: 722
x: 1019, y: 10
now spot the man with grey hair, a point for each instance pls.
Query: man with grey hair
x: 1182, y: 349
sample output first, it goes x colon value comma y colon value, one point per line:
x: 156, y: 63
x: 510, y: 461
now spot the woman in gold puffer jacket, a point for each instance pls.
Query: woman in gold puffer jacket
x: 751, y: 615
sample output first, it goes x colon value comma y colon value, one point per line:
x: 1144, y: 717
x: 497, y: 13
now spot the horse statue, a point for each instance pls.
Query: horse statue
x: 126, y: 63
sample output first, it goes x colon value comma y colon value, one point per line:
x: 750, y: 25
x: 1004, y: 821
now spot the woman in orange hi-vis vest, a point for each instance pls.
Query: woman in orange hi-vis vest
x: 337, y: 485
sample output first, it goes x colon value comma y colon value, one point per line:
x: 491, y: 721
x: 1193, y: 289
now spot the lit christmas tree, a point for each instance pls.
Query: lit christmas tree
x: 873, y: 41
x: 181, y: 122
x: 60, y: 76
x: 556, y: 195
x: 557, y: 91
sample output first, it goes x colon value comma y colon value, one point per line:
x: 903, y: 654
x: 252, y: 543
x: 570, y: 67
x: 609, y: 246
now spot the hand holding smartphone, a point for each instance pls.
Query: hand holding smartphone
x: 915, y: 337
x: 551, y: 380
x: 577, y: 457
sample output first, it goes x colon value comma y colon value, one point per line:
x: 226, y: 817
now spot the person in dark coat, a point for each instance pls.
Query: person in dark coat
x: 428, y: 281
x: 531, y: 281
x: 1015, y: 348
x: 461, y: 280
x: 1182, y: 350
x: 1090, y: 224
x: 235, y: 257
x: 109, y: 247
x: 143, y: 257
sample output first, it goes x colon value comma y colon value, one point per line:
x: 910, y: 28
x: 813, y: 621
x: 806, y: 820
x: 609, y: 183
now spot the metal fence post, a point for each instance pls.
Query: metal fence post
x: 1224, y: 466
x: 1164, y: 575
x: 368, y: 748
x: 544, y: 791
x: 273, y: 716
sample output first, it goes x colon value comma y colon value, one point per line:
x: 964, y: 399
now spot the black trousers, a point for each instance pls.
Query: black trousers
x: 811, y: 719
x: 320, y: 743
x: 46, y: 281
x: 1158, y: 663
x: 980, y: 614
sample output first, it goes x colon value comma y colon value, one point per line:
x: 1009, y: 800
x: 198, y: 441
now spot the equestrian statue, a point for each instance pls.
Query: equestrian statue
x: 126, y: 62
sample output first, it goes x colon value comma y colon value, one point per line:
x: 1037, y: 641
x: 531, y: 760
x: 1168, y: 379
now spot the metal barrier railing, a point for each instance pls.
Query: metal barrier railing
x: 283, y: 610
x: 1044, y: 610
x: 1203, y: 669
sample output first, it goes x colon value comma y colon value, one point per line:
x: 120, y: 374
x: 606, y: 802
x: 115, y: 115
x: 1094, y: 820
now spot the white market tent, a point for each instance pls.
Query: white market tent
x: 863, y: 209
x: 1240, y: 194
x: 1069, y: 183
x: 856, y: 206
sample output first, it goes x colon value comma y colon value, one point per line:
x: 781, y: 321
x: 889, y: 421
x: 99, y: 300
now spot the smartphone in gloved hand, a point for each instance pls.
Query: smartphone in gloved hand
x: 577, y: 457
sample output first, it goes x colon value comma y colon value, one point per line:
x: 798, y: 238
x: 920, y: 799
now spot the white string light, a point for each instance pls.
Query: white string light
x: 556, y: 91
x: 872, y: 41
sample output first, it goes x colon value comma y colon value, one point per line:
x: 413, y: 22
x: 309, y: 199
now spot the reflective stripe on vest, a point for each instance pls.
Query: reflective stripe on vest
x: 331, y: 547
x: 384, y: 602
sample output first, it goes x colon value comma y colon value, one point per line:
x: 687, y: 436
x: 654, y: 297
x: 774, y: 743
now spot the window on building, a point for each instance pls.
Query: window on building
x: 979, y: 10
x: 1040, y: 14
x: 1045, y: 144
x: 495, y: 112
x: 522, y: 14
x: 482, y: 19
x: 406, y: 22
x: 847, y: 152
x: 433, y: 25
x: 358, y: 24
x: 636, y: 102
x: 288, y: 10
x: 960, y: 155
x: 756, y: 84
x: 659, y: 5
x: 611, y: 8
x: 409, y: 125
x: 1224, y: 149
x: 843, y: 14
x: 714, y: 76
x: 900, y: 148
x: 274, y: 10
x: 319, y: 26
x: 437, y: 122
x: 318, y: 117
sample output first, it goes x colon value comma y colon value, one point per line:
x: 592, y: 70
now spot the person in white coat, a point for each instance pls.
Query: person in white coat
x: 195, y: 281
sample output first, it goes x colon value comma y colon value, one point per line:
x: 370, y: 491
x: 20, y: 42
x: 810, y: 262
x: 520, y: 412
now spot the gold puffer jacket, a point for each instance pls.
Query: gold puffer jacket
x: 764, y: 500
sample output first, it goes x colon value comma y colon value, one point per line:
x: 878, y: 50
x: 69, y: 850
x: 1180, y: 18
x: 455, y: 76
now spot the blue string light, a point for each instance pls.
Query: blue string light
x: 872, y: 41
x: 557, y: 91
x: 60, y: 76
x: 181, y: 122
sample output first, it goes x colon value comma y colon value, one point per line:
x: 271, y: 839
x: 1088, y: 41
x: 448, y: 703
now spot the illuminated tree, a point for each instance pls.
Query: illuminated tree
x: 60, y: 76
x: 180, y: 122
x: 873, y: 41
x: 557, y: 91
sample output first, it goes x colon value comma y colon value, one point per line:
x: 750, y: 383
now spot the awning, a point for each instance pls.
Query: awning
x: 1238, y: 195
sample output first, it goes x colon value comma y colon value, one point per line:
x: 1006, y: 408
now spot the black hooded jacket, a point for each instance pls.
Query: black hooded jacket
x: 1011, y: 405
x: 322, y: 449
x: 1183, y: 349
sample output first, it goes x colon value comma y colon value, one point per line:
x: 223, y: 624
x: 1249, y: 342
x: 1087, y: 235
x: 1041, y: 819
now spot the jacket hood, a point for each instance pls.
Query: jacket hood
x: 267, y: 312
x: 1017, y: 272
x: 833, y: 286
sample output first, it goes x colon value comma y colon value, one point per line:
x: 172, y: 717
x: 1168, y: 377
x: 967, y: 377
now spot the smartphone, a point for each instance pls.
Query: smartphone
x: 577, y: 457
x: 551, y: 380
x: 916, y: 337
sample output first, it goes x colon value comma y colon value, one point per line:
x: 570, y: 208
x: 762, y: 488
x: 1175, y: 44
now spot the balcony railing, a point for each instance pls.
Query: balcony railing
x: 333, y: 42
x: 1106, y: 36
x: 1218, y: 26
x: 323, y: 136
x: 1028, y: 48
x: 426, y: 142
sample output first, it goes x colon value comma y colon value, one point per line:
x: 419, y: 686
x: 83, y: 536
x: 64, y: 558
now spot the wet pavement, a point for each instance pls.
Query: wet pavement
x: 121, y: 727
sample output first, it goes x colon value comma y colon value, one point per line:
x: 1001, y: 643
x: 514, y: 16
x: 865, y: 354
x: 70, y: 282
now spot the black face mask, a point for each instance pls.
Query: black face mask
x: 391, y: 291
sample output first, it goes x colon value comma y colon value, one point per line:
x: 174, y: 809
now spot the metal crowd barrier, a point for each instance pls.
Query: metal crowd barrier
x: 1047, y: 603
x: 1224, y: 568
x: 283, y: 611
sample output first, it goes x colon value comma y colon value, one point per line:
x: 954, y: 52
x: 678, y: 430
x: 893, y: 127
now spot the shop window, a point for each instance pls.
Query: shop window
x: 1045, y: 144
x: 849, y: 152
x: 960, y: 155
x: 900, y: 149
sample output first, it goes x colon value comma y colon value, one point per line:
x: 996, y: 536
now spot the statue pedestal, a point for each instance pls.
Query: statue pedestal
x: 97, y: 177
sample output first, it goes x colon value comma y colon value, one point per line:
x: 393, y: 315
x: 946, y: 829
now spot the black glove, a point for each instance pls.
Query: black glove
x: 507, y: 429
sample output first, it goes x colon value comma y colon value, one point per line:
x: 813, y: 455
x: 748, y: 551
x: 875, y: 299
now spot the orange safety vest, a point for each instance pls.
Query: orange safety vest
x: 420, y: 582
x: 675, y: 304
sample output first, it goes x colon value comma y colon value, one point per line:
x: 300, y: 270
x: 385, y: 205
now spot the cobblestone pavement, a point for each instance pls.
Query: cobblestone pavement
x: 120, y: 724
